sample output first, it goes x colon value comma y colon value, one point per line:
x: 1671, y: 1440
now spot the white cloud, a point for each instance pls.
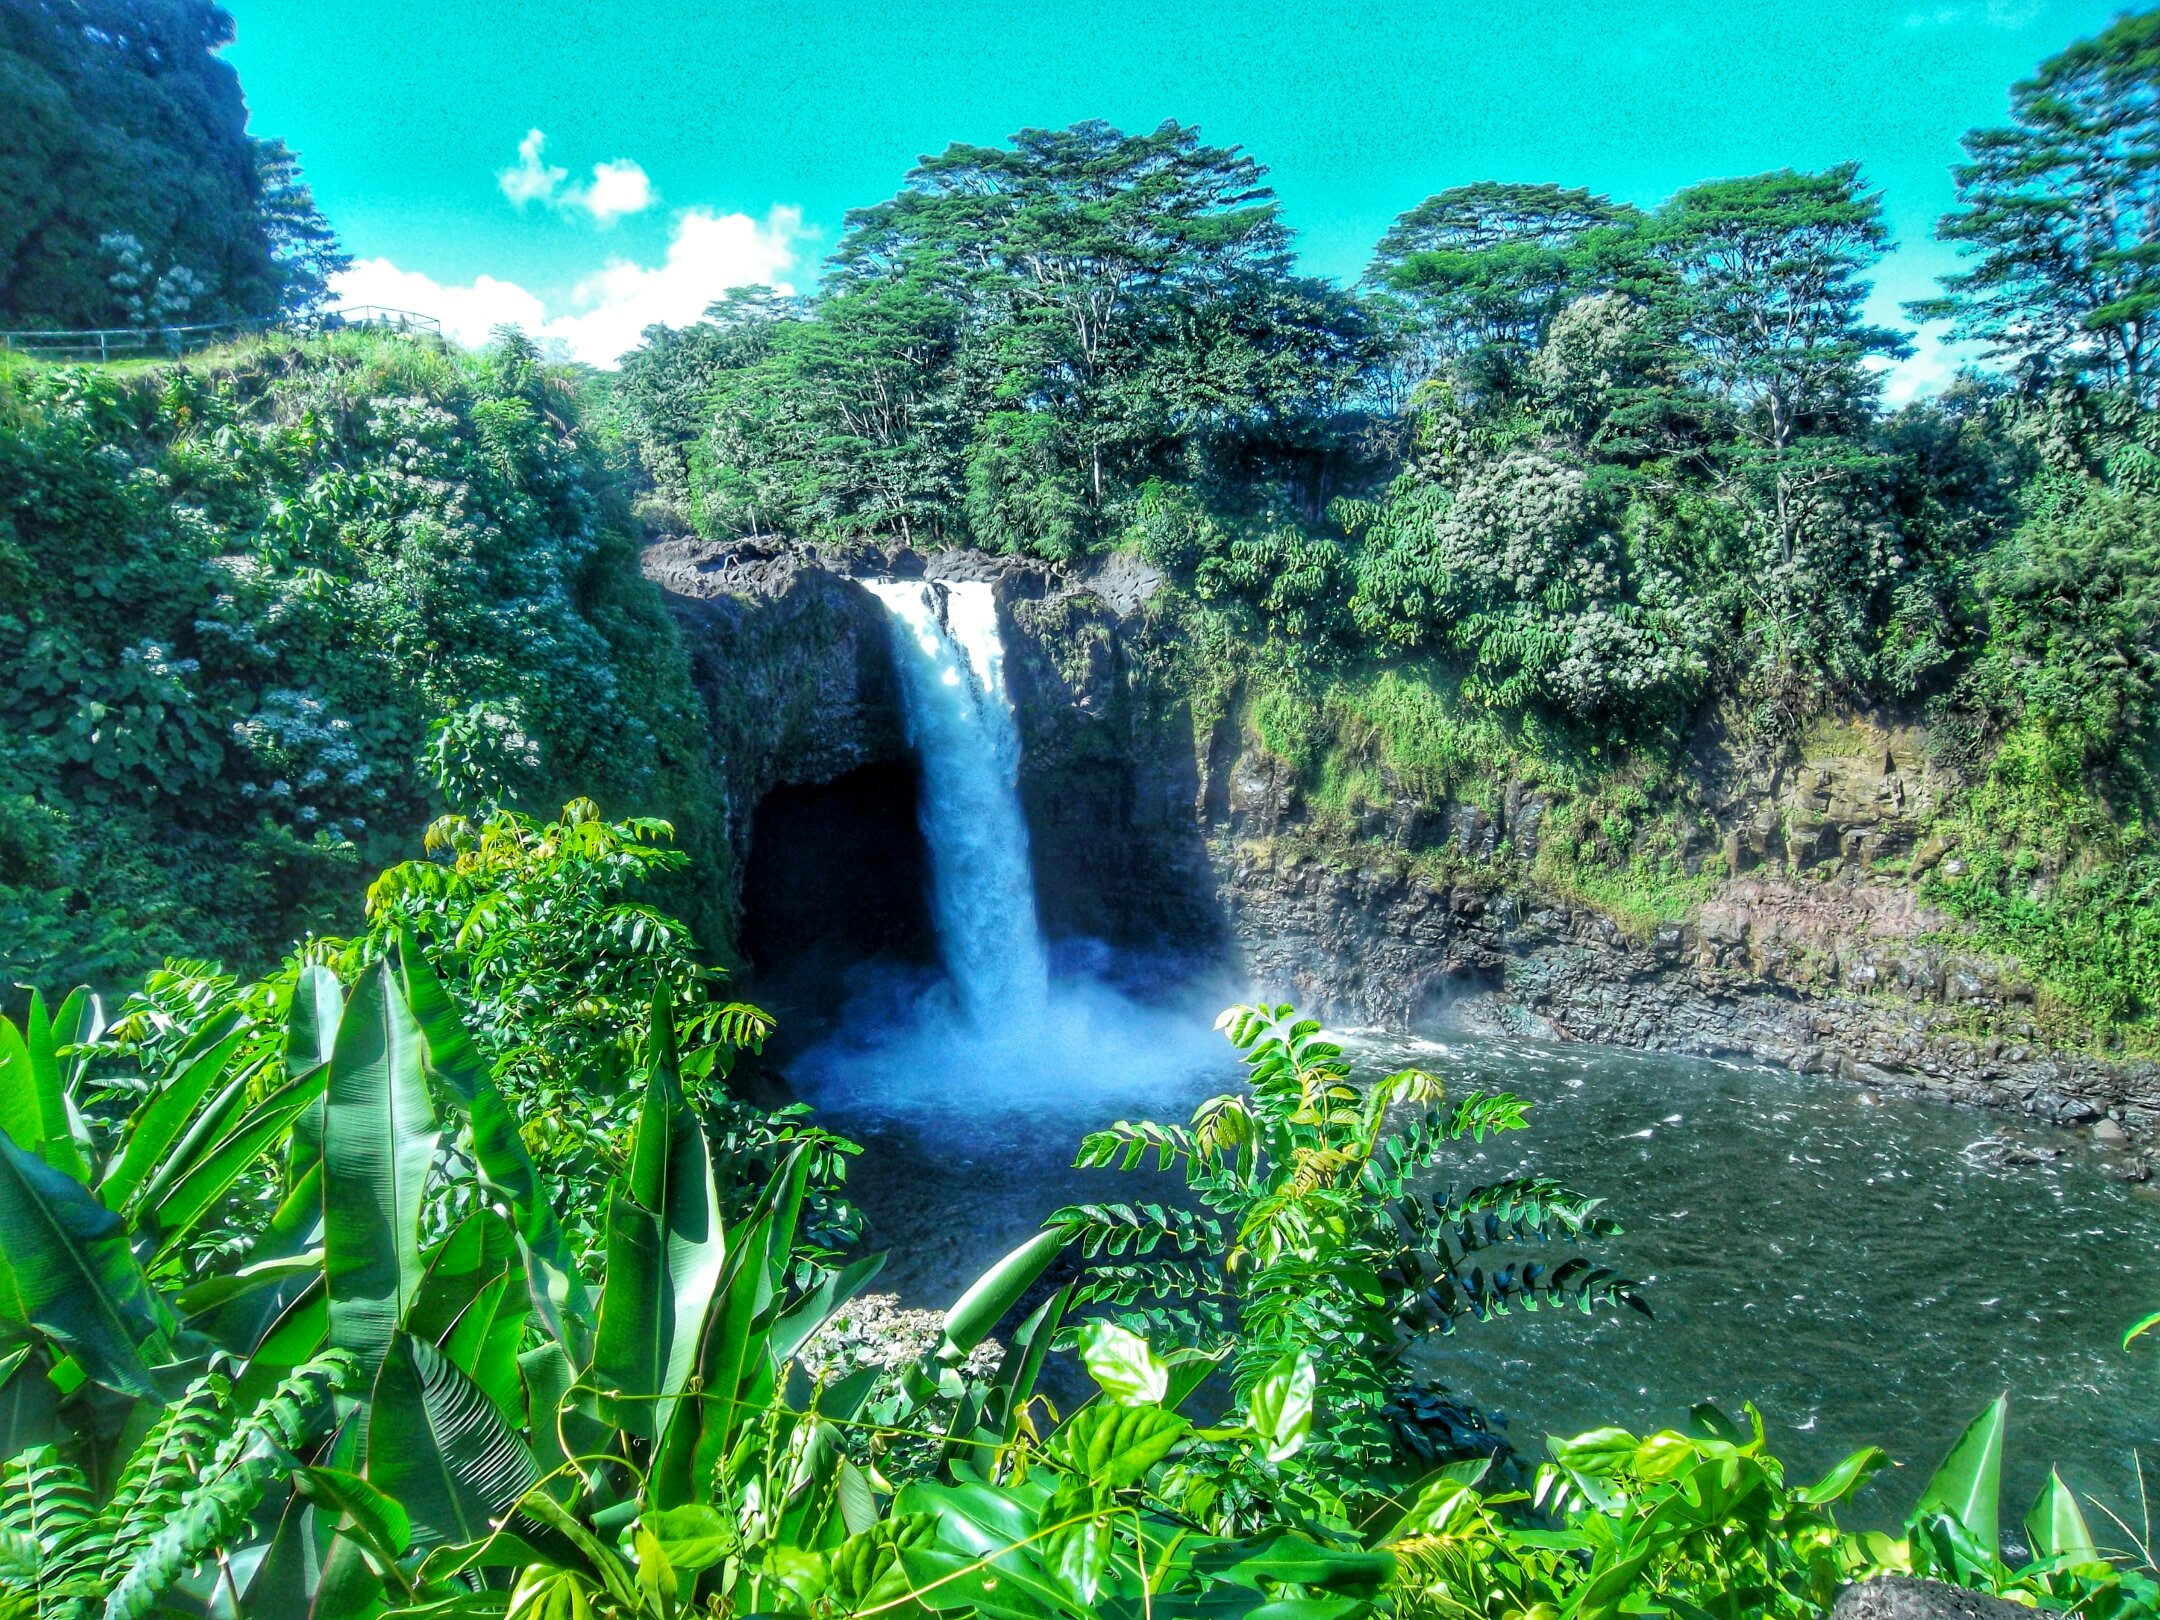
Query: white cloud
x: 618, y: 187
x: 531, y: 179
x: 707, y: 254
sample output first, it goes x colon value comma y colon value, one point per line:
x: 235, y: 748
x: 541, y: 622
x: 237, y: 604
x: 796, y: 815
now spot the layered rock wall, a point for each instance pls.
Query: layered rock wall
x: 1148, y: 830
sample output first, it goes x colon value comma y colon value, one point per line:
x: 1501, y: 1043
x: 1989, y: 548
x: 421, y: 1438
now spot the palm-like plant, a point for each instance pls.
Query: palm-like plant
x: 1313, y: 1228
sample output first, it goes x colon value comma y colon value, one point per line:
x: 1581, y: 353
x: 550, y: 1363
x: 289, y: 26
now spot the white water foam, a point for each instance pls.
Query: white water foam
x: 998, y: 1035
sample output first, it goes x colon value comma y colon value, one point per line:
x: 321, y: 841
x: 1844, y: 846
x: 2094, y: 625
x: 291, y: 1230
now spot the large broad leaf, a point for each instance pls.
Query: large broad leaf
x: 33, y: 1089
x: 70, y: 1274
x: 506, y: 1169
x: 437, y: 1446
x: 1281, y: 1404
x: 259, y: 1130
x: 1123, y: 1363
x: 2056, y: 1525
x: 664, y: 1217
x: 994, y: 1293
x: 311, y: 1023
x: 158, y: 1123
x: 736, y: 1368
x: 378, y: 1142
x: 1968, y: 1483
x: 170, y: 1118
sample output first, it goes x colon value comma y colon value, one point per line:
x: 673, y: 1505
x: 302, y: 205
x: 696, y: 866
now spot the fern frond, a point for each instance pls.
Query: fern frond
x: 1120, y: 1229
x: 162, y: 1470
x: 47, y: 1503
x: 1159, y: 1278
x: 256, y: 1454
x: 1127, y: 1143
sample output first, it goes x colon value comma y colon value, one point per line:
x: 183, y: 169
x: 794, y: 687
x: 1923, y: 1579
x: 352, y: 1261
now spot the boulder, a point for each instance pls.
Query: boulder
x: 1902, y: 1597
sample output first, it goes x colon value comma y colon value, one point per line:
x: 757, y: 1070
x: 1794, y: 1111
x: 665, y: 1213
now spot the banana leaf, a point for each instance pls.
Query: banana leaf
x: 66, y: 1270
x: 378, y: 1144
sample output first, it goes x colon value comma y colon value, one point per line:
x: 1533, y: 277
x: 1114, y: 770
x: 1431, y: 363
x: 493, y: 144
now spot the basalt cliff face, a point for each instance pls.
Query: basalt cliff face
x: 1154, y: 830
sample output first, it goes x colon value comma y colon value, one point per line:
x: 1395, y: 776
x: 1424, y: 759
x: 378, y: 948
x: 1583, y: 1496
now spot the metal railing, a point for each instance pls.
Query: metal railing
x: 99, y: 344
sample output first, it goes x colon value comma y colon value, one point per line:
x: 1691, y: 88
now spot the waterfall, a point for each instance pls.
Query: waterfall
x: 960, y: 723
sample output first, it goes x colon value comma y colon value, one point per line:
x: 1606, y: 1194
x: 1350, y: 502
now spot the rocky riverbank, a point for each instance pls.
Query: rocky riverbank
x: 1808, y: 944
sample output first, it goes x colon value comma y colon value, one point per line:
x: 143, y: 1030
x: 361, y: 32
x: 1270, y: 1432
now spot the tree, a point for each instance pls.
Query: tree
x: 2061, y: 217
x: 847, y: 423
x: 304, y: 248
x: 1080, y: 256
x: 1767, y: 278
x: 666, y: 382
x: 122, y: 120
x: 1484, y: 268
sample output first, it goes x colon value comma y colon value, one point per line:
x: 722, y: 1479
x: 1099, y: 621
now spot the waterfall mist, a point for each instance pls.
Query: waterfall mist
x: 998, y: 1032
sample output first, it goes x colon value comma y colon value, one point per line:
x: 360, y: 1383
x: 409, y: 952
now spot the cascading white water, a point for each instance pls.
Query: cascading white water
x: 961, y: 725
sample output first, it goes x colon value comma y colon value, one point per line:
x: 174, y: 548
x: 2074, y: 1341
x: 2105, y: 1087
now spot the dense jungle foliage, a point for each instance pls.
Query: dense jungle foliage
x: 440, y: 1273
x: 1560, y: 484
x: 131, y: 194
x: 262, y: 616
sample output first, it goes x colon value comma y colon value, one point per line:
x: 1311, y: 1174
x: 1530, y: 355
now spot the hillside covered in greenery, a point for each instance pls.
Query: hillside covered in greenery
x: 261, y: 614
x: 1560, y: 483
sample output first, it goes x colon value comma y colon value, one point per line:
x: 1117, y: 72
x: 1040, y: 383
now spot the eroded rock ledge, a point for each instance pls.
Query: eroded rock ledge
x: 1145, y: 833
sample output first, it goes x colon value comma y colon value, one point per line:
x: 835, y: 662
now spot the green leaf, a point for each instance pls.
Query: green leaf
x: 158, y: 1124
x: 1122, y: 1362
x: 2057, y: 1527
x: 437, y: 1446
x: 1968, y: 1483
x: 693, y: 1537
x: 1281, y: 1404
x: 61, y: 1135
x: 1117, y: 1445
x: 1289, y: 1556
x: 994, y: 1293
x: 212, y: 1176
x: 378, y: 1144
x: 667, y: 1213
x: 1847, y: 1477
x: 311, y: 1023
x: 506, y: 1169
x: 735, y: 1366
x: 377, y: 1520
x: 1076, y: 1551
x: 69, y: 1273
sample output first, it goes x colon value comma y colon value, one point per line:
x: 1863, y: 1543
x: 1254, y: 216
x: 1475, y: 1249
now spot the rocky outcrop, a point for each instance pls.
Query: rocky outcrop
x: 1901, y: 1597
x: 1812, y: 950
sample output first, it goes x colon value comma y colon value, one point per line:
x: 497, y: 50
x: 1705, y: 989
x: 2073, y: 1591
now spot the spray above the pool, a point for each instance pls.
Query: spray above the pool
x: 960, y: 723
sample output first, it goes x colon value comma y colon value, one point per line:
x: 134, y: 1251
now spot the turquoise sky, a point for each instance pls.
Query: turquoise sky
x: 407, y: 115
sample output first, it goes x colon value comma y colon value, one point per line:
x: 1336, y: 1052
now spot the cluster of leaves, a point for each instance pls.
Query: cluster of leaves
x: 130, y: 190
x: 292, y: 1327
x: 237, y: 597
x: 1319, y: 1235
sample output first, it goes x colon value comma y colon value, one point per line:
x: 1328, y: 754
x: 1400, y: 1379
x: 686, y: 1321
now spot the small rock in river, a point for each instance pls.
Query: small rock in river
x: 2109, y: 1134
x: 1869, y: 1099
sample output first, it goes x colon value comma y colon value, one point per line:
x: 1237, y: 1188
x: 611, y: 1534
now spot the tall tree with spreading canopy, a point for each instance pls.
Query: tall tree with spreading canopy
x: 2061, y: 218
x: 125, y: 134
x: 1484, y: 268
x: 1766, y: 277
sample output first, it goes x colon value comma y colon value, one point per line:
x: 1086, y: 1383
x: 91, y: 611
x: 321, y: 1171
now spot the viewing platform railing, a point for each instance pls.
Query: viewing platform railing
x: 105, y: 343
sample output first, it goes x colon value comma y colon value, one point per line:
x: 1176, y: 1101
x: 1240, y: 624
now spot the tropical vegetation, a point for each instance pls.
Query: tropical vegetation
x: 306, y: 1313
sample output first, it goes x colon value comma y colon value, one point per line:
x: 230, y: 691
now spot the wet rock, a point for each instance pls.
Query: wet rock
x: 2109, y: 1134
x: 1902, y: 1597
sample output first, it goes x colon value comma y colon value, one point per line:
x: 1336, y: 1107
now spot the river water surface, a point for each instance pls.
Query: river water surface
x: 1864, y: 1273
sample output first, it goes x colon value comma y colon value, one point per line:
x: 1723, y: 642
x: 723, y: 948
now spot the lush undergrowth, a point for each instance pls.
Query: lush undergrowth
x: 443, y: 1272
x: 248, y: 606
